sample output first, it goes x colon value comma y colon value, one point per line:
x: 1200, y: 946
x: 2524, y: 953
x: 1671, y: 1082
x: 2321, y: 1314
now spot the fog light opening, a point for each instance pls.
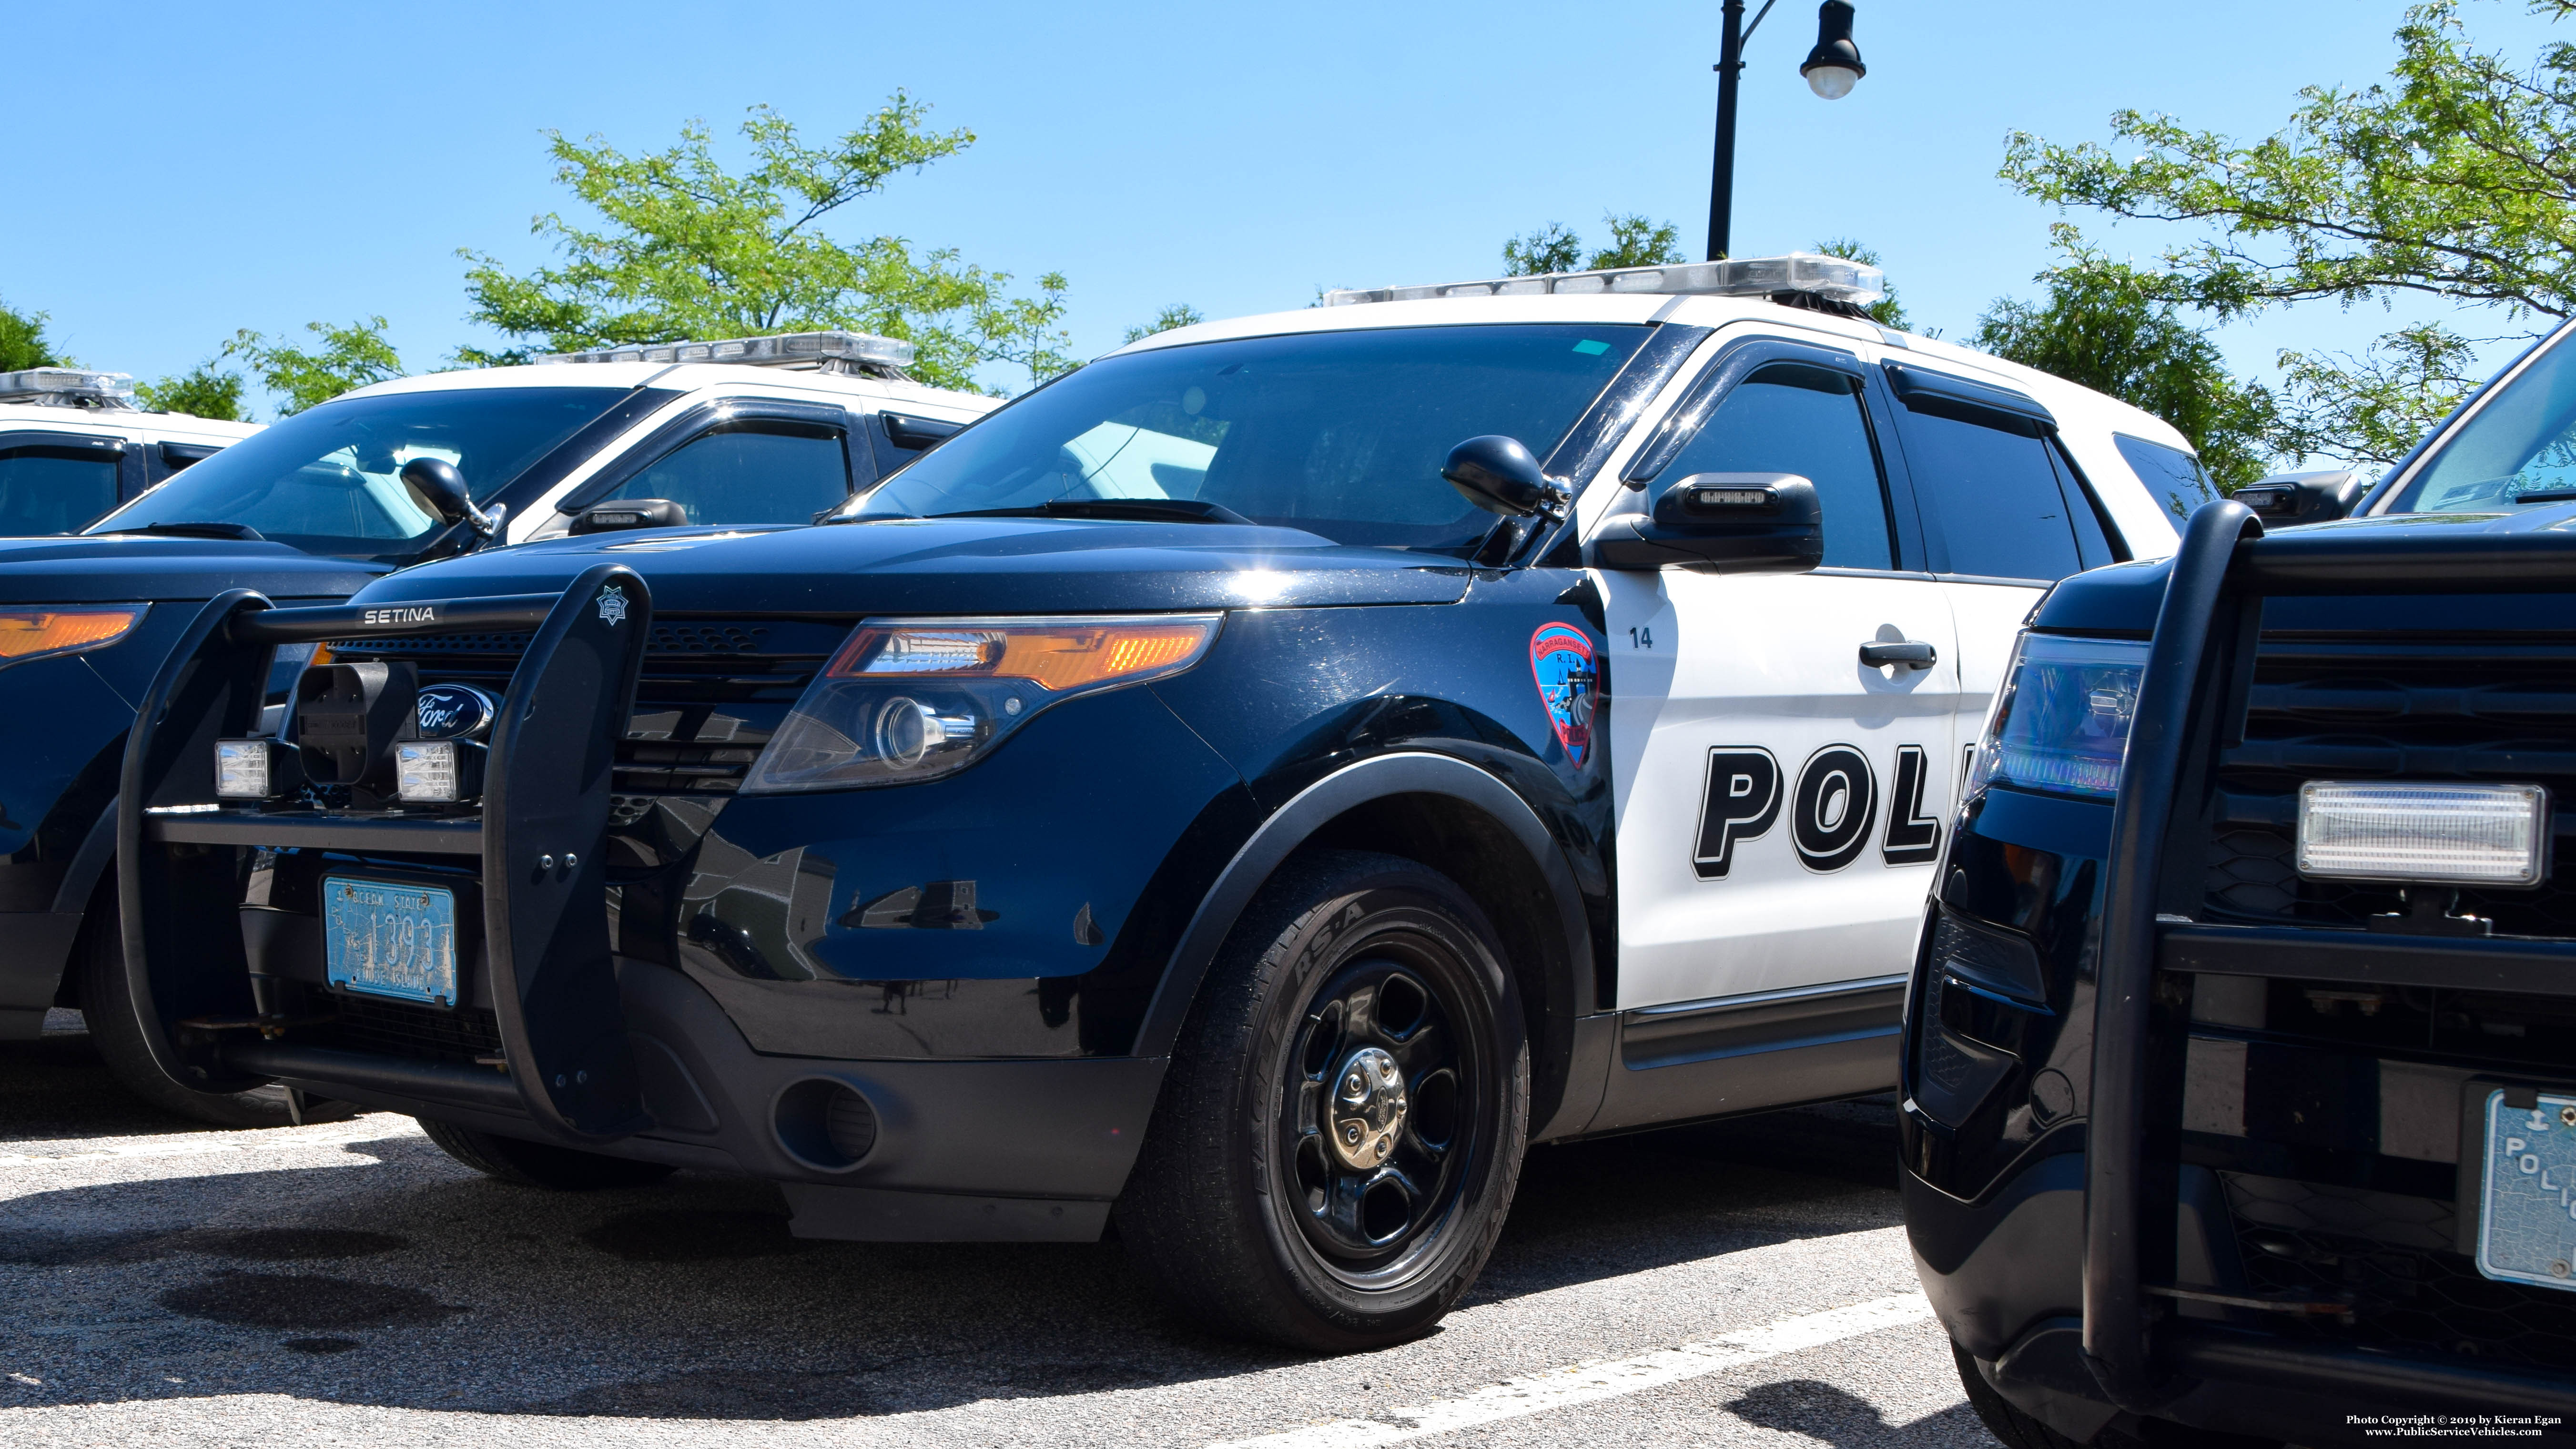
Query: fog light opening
x: 825, y: 1124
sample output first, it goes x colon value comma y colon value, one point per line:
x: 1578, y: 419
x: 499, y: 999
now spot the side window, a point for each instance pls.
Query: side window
x: 53, y: 486
x: 1789, y: 418
x: 2092, y: 543
x: 2170, y: 474
x: 1997, y: 495
x: 749, y: 472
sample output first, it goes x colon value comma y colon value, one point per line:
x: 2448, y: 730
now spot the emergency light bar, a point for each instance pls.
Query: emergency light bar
x: 74, y: 386
x: 834, y: 351
x: 1830, y: 277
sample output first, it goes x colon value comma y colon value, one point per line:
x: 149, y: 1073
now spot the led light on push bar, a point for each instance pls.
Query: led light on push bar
x: 259, y: 769
x: 2496, y: 835
x: 438, y: 772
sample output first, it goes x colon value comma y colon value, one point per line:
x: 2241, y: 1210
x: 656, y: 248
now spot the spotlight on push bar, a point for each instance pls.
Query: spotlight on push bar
x: 2427, y: 833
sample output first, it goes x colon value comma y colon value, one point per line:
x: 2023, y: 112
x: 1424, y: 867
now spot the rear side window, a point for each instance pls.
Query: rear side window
x: 1808, y: 421
x: 2173, y: 477
x: 749, y: 473
x: 53, y: 487
x: 2002, y: 510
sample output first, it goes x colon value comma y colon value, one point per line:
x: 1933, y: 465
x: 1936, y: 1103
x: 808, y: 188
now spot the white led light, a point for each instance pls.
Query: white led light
x: 241, y: 769
x: 425, y: 770
x: 1837, y: 278
x: 76, y: 385
x: 2446, y: 834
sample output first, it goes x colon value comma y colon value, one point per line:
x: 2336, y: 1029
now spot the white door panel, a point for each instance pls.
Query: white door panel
x: 1989, y: 619
x: 1720, y: 670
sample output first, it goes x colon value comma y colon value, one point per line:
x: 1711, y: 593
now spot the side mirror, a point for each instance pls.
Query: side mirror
x: 1731, y: 523
x: 439, y: 488
x: 1499, y: 475
x: 2295, y: 498
x: 628, y: 513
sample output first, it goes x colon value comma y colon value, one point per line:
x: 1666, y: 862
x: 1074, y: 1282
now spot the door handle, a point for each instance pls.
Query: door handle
x: 1912, y: 653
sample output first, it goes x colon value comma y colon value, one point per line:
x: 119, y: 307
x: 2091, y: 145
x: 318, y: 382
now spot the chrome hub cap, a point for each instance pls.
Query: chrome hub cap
x: 1368, y: 1109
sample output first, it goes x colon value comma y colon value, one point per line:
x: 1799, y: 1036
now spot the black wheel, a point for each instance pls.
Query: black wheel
x: 107, y: 1006
x: 1338, y: 1138
x: 2016, y: 1429
x: 540, y: 1164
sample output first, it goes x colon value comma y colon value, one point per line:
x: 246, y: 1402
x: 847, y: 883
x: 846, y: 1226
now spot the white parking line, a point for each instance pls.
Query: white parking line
x: 1589, y: 1383
x: 190, y: 1144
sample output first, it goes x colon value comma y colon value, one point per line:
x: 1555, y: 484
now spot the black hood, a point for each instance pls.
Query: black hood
x: 131, y: 568
x: 959, y: 566
x: 2121, y: 601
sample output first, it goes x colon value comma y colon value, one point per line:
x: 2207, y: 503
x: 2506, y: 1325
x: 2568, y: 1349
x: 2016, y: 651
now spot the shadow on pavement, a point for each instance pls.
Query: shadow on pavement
x: 408, y: 1282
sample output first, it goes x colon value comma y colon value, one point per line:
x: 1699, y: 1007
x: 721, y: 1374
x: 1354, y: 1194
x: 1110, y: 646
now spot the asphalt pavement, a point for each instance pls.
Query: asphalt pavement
x: 346, y: 1283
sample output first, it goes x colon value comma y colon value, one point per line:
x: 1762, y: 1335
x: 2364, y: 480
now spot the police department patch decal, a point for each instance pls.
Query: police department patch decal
x: 1561, y: 661
x: 612, y: 605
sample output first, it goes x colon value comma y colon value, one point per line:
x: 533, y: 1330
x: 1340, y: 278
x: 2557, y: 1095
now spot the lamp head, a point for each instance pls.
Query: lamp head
x: 1834, y: 66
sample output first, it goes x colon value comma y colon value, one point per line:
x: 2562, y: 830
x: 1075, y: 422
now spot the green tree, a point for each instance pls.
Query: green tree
x: 689, y: 250
x: 1886, y: 311
x: 346, y: 357
x: 2105, y: 326
x: 2450, y: 179
x: 1179, y: 314
x: 204, y: 392
x: 1634, y: 242
x: 22, y: 341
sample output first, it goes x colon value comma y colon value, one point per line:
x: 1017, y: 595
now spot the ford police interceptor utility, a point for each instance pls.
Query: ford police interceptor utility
x: 1255, y: 784
x: 74, y: 445
x: 315, y: 507
x: 2241, y: 1066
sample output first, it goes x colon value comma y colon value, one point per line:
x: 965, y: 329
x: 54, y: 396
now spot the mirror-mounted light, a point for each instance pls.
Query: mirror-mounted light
x: 627, y: 513
x: 1499, y: 475
x: 1834, y: 66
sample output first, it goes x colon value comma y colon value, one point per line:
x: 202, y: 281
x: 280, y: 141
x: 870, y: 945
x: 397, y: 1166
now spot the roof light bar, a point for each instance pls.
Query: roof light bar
x: 834, y: 351
x: 72, y: 386
x: 1832, y: 277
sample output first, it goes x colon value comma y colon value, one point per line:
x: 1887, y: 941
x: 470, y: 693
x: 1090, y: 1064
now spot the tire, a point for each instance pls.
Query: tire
x: 540, y: 1164
x: 116, y: 1030
x: 1241, y: 1209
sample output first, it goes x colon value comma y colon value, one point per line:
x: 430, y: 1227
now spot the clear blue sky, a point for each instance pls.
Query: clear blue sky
x: 182, y: 171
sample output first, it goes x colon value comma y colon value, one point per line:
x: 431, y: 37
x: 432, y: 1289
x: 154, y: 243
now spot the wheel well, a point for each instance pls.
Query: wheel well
x: 1487, y: 860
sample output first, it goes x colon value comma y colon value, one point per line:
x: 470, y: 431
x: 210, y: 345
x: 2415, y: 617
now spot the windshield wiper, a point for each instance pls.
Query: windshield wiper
x: 237, y: 532
x: 2547, y: 495
x: 1175, y: 510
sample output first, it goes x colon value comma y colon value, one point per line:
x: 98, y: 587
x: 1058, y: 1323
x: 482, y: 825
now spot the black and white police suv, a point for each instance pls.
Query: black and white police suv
x: 2240, y: 1079
x: 752, y: 433
x: 74, y: 445
x: 1256, y: 783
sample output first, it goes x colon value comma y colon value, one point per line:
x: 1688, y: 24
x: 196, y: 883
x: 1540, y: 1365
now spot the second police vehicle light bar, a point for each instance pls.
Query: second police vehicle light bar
x: 1832, y: 278
x: 833, y: 351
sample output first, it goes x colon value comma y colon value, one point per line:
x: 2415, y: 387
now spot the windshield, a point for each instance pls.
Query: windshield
x: 1337, y: 433
x: 325, y: 480
x: 2520, y: 446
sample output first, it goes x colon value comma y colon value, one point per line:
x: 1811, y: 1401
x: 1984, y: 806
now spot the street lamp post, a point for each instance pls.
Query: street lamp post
x: 1831, y: 69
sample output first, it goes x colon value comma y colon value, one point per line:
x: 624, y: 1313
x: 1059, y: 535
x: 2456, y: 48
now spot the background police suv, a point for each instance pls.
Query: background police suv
x: 73, y: 445
x: 1171, y: 792
x: 751, y: 433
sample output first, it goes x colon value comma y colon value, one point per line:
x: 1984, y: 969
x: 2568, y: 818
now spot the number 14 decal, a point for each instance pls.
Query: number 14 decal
x: 1833, y: 805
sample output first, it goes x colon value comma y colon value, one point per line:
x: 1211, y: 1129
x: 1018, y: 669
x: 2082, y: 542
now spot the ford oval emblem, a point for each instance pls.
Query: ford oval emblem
x: 454, y: 712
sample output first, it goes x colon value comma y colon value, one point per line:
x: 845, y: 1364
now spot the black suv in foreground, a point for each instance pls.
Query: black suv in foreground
x: 2240, y: 1069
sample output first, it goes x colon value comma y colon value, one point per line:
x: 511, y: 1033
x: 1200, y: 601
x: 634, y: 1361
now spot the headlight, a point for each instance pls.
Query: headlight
x: 35, y: 633
x: 2061, y: 721
x: 914, y: 699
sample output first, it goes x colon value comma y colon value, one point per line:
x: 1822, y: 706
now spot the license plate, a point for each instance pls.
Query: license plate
x: 2527, y: 1232
x: 389, y: 939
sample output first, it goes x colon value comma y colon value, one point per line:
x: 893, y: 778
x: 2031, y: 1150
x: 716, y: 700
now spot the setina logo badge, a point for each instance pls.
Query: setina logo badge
x: 612, y: 605
x: 1561, y: 662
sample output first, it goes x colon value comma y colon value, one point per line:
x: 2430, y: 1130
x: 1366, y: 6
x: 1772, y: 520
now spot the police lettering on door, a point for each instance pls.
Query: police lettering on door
x: 1832, y: 806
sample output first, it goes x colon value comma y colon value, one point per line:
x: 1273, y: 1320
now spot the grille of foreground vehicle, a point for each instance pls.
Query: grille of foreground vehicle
x: 393, y: 1028
x: 711, y: 692
x: 2373, y: 708
x: 2390, y: 1256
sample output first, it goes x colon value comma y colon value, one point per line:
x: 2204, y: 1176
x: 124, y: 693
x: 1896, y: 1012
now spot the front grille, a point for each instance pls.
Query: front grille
x: 711, y: 693
x: 2392, y: 1258
x: 2342, y: 708
x: 395, y: 1028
